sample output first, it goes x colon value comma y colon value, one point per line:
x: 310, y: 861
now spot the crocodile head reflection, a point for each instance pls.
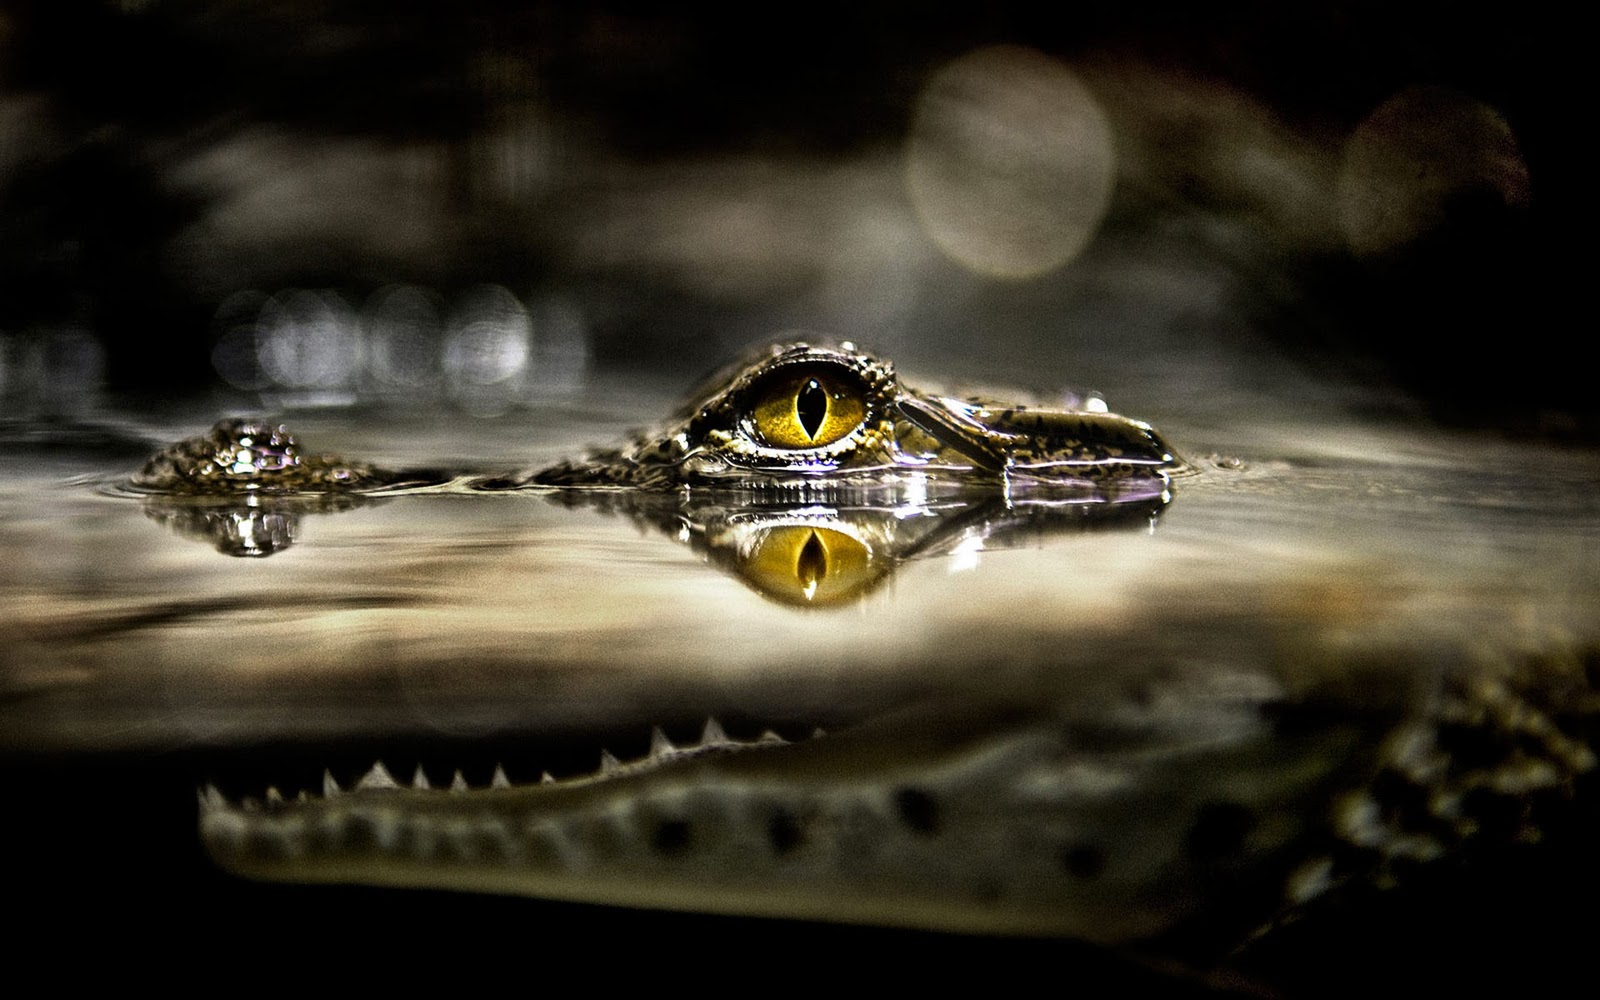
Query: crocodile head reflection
x: 804, y: 415
x: 254, y: 525
x: 818, y: 555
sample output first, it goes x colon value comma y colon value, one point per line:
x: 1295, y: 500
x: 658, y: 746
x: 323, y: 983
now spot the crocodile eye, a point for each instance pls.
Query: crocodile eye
x: 815, y: 566
x: 807, y: 405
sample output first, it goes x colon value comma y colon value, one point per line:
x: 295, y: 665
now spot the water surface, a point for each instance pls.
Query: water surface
x: 1315, y: 551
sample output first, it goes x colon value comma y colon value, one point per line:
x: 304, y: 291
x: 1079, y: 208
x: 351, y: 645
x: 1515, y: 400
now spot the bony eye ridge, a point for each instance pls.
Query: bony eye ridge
x: 806, y: 409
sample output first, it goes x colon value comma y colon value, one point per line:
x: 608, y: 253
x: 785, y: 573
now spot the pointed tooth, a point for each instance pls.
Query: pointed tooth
x: 419, y: 780
x: 378, y: 777
x: 458, y: 783
x: 274, y: 797
x: 768, y: 736
x: 330, y: 788
x: 499, y: 779
x: 660, y: 746
x: 818, y: 733
x: 713, y: 736
x: 609, y: 764
x: 211, y: 797
x: 302, y: 796
x: 546, y: 778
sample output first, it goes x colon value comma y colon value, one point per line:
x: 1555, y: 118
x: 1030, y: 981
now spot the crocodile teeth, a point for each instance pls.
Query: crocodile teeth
x: 713, y: 736
x: 660, y: 746
x: 377, y: 778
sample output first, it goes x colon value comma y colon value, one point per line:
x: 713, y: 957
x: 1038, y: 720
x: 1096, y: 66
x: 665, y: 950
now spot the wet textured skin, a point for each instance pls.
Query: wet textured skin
x: 250, y: 456
x: 1177, y: 823
x: 994, y: 819
x: 902, y: 435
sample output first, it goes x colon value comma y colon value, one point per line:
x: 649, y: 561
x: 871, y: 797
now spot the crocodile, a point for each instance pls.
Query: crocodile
x: 798, y: 415
x: 802, y: 415
x: 805, y: 420
x: 1204, y: 792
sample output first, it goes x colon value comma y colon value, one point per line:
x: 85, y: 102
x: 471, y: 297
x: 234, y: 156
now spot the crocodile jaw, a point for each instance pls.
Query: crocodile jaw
x: 1020, y: 827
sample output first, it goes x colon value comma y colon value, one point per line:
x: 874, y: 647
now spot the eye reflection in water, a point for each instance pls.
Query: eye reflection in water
x: 830, y: 559
x: 823, y: 555
x: 815, y: 555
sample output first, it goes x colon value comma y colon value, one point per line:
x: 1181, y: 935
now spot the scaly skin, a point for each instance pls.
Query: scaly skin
x: 903, y: 435
x: 249, y: 456
x: 1203, y: 809
x: 995, y: 823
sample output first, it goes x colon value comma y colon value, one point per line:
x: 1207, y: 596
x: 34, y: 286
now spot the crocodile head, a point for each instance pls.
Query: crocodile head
x: 805, y: 415
x: 807, y: 420
x: 992, y: 818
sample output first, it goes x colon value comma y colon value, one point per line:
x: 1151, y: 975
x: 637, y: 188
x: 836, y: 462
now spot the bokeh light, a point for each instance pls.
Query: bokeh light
x: 486, y: 353
x: 1421, y: 154
x: 1010, y: 163
x: 487, y: 350
x: 403, y: 331
x: 309, y: 340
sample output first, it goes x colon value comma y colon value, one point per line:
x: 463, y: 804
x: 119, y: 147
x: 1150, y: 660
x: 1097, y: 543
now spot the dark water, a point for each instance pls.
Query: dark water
x: 1314, y: 552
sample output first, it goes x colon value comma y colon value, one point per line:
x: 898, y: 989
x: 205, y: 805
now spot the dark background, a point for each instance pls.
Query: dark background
x: 158, y: 157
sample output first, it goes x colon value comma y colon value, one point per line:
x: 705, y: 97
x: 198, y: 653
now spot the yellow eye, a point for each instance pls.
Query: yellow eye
x: 807, y: 406
x: 812, y: 566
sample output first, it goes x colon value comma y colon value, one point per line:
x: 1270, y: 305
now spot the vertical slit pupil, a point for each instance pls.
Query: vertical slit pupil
x: 812, y: 563
x: 811, y: 406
